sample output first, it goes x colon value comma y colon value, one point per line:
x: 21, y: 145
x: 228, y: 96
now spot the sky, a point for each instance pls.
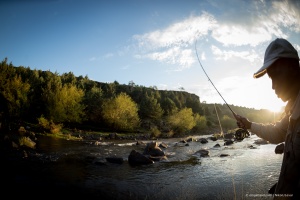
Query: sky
x: 154, y: 43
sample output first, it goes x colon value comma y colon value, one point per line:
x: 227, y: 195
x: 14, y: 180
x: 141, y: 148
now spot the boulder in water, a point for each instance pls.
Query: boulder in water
x: 217, y: 145
x: 136, y: 158
x: 203, y: 140
x: 203, y: 152
x: 224, y: 155
x: 152, y: 149
x: 163, y: 145
x: 228, y: 142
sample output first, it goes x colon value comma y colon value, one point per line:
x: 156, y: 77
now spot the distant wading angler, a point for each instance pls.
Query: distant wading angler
x: 281, y: 63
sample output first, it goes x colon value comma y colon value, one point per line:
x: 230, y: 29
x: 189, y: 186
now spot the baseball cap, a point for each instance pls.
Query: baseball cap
x: 279, y: 48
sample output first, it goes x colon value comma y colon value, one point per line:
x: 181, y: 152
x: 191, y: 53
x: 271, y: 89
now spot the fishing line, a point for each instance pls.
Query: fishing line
x: 233, y: 183
x: 212, y: 82
x: 219, y: 121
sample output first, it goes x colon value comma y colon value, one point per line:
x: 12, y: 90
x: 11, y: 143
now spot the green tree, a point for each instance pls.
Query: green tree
x: 121, y: 113
x: 150, y: 108
x: 93, y: 100
x: 228, y: 122
x: 71, y: 98
x: 16, y: 95
x: 13, y: 91
x: 201, y: 123
x: 85, y: 83
x: 182, y: 121
x: 36, y: 105
x: 63, y: 102
x: 68, y: 78
x: 50, y: 95
x: 110, y: 90
x: 194, y: 104
x: 168, y: 106
x: 217, y: 111
x: 207, y: 111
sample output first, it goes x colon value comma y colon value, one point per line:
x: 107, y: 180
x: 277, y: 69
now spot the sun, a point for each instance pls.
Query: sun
x: 276, y: 107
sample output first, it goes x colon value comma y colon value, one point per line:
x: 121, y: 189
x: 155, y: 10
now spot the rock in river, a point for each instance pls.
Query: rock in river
x: 136, y: 158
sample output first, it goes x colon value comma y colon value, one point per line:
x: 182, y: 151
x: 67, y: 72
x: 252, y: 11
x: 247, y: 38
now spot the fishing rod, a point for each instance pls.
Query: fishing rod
x: 235, y: 116
x: 239, y: 134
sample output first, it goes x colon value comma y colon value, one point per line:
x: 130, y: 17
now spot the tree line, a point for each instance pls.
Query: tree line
x: 54, y: 100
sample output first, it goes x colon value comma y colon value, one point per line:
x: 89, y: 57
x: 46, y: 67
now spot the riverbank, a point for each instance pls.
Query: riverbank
x: 30, y: 132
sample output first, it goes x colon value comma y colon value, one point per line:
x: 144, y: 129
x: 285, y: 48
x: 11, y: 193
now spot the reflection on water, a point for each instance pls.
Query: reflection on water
x: 186, y: 175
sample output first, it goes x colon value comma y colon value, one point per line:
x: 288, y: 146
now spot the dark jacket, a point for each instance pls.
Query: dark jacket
x: 287, y: 130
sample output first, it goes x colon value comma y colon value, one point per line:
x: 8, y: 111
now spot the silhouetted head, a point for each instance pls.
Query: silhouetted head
x: 285, y: 76
x: 281, y: 63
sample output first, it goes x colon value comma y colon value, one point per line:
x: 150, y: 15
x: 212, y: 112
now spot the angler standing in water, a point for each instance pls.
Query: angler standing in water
x: 281, y: 63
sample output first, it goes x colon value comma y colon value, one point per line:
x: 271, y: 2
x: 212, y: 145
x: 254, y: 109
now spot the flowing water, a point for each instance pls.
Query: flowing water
x: 80, y: 168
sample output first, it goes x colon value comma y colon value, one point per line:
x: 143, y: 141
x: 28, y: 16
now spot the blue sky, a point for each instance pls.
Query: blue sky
x: 152, y: 43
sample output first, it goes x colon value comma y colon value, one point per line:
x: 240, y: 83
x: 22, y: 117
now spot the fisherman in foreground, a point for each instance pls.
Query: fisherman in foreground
x: 281, y: 63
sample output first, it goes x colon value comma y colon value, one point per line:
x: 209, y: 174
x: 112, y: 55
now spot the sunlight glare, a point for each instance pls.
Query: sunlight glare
x: 274, y: 103
x: 276, y: 107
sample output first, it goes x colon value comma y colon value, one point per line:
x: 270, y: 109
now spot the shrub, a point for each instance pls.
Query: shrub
x: 155, y: 132
x: 170, y: 134
x: 182, y: 121
x: 55, y: 128
x: 44, y: 123
x: 121, y: 113
x: 49, y: 125
x: 26, y: 141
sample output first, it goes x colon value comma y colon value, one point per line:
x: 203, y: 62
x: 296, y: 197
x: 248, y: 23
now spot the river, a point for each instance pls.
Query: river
x: 79, y: 169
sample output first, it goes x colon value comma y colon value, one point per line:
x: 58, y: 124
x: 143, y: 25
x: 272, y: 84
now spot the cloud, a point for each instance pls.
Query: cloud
x: 92, y: 59
x: 238, y: 35
x: 297, y: 47
x: 125, y: 67
x: 261, y: 21
x: 203, y: 57
x: 175, y: 55
x: 251, y: 56
x: 172, y: 45
x: 108, y: 55
x: 287, y: 14
x: 179, y: 34
x: 259, y: 24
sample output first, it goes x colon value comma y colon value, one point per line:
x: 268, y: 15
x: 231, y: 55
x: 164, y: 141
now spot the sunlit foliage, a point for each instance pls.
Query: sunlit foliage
x: 182, y: 121
x: 201, y: 123
x: 13, y: 90
x: 121, y: 113
x: 150, y: 108
x: 63, y: 101
x: 93, y: 100
x: 228, y: 122
x: 79, y: 102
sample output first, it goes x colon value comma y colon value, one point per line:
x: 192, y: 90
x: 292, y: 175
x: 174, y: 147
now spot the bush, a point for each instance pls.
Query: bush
x: 201, y: 123
x: 55, y: 128
x: 121, y: 113
x: 155, y: 132
x: 170, y: 134
x: 26, y: 141
x: 49, y: 125
x: 182, y: 121
x: 44, y: 123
